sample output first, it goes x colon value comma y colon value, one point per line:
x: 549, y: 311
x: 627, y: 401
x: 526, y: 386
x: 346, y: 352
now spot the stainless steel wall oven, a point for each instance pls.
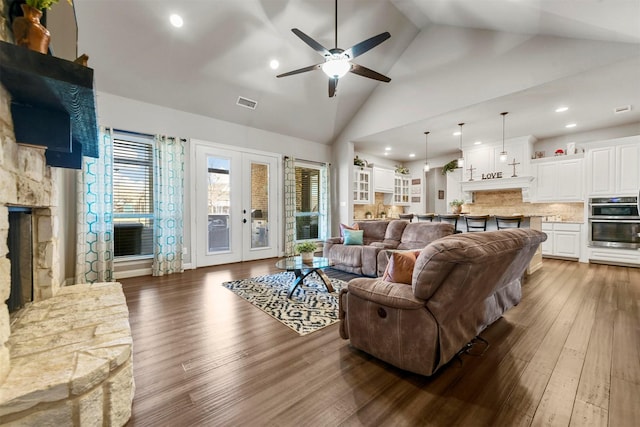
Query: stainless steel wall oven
x: 614, y: 222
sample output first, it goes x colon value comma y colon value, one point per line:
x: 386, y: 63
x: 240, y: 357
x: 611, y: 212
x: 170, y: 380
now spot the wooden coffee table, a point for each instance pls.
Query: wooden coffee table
x: 302, y: 270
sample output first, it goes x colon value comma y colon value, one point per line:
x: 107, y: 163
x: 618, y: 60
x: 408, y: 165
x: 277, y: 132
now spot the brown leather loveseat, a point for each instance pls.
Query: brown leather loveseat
x: 461, y: 284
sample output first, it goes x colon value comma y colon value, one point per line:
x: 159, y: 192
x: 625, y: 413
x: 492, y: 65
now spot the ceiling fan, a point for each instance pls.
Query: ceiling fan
x: 337, y: 62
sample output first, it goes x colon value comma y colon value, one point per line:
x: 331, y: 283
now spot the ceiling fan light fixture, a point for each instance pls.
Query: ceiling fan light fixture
x: 336, y: 68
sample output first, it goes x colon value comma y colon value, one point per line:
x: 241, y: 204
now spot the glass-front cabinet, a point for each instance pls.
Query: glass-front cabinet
x: 401, y: 190
x: 362, y: 186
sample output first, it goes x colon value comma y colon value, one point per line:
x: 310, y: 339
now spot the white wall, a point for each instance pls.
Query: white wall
x: 549, y: 145
x: 131, y: 115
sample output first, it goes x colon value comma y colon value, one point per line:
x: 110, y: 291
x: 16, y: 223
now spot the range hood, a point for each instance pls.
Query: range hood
x: 521, y: 182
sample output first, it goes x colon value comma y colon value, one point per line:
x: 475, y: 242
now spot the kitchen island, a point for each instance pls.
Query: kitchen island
x: 528, y: 221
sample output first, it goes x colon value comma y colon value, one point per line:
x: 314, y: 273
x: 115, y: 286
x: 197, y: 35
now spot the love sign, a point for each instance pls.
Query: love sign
x: 492, y: 175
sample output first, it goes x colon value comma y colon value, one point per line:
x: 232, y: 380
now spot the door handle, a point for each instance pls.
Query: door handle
x: 244, y: 211
x: 244, y: 221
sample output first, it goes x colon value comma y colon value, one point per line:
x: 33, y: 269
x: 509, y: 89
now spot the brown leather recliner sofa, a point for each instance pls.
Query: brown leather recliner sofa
x: 370, y: 258
x: 461, y: 284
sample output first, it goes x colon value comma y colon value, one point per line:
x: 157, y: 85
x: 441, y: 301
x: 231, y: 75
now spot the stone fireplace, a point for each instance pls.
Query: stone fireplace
x: 65, y: 358
x: 26, y: 181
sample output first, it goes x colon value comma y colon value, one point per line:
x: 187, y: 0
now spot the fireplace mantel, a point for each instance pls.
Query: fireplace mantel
x: 53, y: 104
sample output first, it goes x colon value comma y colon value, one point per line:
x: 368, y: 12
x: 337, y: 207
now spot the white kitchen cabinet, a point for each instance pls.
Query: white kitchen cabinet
x: 559, y: 180
x: 563, y: 240
x: 614, y: 256
x: 401, y: 190
x: 627, y: 169
x: 362, y: 186
x: 383, y: 180
x: 613, y: 168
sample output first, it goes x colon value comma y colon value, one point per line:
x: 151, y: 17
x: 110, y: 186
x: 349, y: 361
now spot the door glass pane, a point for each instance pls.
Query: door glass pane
x: 219, y: 203
x: 307, y: 202
x: 259, y: 205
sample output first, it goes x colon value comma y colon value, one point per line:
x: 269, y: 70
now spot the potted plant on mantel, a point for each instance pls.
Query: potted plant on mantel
x: 306, y: 250
x: 27, y: 29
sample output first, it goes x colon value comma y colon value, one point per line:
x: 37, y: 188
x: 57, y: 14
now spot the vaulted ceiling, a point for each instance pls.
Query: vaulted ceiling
x: 450, y: 61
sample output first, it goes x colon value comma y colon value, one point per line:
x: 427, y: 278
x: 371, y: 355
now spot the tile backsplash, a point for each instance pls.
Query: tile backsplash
x: 391, y: 211
x: 509, y: 202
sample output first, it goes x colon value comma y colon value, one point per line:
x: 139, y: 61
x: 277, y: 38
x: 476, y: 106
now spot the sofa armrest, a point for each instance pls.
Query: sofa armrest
x: 328, y: 243
x: 389, y: 294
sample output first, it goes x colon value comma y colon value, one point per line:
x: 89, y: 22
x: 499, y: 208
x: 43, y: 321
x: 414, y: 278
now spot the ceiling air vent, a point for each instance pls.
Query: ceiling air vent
x: 247, y: 103
x: 623, y: 109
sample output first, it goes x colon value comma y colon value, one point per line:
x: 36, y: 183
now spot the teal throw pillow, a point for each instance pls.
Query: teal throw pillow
x: 353, y: 237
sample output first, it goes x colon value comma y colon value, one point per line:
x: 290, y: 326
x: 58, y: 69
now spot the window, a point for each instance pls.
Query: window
x: 307, y: 201
x: 132, y: 195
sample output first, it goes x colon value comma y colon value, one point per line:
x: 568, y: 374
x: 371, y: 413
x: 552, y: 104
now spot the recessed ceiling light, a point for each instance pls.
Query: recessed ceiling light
x: 176, y: 20
x: 274, y: 64
x: 477, y: 143
x: 387, y: 148
x: 457, y: 133
x: 571, y: 125
x: 412, y: 155
x: 386, y: 154
x: 561, y: 109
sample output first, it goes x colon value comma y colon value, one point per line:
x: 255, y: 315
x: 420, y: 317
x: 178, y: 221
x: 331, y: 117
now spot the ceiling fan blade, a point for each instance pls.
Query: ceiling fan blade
x: 311, y: 42
x: 300, y: 70
x: 366, y: 72
x: 364, y: 46
x: 333, y: 85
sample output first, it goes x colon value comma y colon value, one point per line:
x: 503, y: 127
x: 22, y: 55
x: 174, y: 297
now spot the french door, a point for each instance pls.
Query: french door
x: 236, y: 204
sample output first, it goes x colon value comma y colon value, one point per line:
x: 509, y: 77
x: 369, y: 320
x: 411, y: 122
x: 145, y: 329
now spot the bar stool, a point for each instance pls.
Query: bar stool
x: 425, y: 217
x: 406, y: 216
x: 508, y: 221
x: 476, y: 222
x: 451, y: 219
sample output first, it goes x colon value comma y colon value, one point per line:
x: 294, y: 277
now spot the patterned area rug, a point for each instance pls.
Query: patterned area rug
x: 310, y: 308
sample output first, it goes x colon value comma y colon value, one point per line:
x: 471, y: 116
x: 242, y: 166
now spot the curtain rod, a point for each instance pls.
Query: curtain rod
x: 146, y: 135
x: 130, y: 132
x: 315, y: 162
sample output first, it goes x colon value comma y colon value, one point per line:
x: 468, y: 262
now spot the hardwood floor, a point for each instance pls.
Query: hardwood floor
x: 567, y: 355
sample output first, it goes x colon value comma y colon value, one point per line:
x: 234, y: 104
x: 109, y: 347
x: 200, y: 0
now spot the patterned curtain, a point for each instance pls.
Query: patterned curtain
x: 94, y: 225
x: 324, y: 222
x: 168, y: 203
x: 289, y: 205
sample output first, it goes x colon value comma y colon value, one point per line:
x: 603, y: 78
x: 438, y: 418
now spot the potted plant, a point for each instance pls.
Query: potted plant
x: 357, y: 161
x: 456, y: 206
x: 27, y: 29
x: 451, y: 166
x: 402, y: 170
x: 306, y: 250
x: 368, y: 215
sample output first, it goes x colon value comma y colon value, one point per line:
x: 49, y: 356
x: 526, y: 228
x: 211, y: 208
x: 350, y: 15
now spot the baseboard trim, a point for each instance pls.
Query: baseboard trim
x: 132, y: 273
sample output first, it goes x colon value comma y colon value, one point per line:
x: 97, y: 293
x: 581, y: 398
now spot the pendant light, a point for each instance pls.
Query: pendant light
x: 503, y: 153
x: 461, y: 158
x: 426, y: 158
